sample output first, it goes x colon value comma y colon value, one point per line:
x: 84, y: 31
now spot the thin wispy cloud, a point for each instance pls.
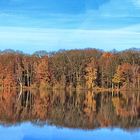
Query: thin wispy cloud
x: 90, y: 14
x: 136, y: 2
x: 54, y: 25
x: 54, y: 39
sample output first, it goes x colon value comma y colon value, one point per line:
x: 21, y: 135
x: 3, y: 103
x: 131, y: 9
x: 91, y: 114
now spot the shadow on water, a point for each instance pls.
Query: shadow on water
x: 82, y: 110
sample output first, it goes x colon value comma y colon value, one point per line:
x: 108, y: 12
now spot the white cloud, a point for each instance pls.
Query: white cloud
x: 136, y: 3
x: 119, y: 8
x: 32, y: 39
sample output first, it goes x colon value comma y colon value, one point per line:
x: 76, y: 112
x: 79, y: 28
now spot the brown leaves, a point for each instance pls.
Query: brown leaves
x: 91, y: 74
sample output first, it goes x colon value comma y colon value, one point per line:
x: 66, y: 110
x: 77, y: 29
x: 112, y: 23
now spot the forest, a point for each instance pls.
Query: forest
x: 71, y: 69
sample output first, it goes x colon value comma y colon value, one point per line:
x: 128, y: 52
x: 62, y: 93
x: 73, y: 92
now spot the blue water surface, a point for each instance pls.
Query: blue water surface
x: 28, y: 131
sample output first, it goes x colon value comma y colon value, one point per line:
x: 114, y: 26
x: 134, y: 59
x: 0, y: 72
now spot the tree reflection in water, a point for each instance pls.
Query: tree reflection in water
x: 81, y: 109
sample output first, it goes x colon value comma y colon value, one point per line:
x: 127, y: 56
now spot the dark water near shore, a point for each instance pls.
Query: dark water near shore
x: 61, y: 115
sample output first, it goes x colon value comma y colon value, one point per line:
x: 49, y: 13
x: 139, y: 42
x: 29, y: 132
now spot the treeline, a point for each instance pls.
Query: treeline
x: 87, y: 68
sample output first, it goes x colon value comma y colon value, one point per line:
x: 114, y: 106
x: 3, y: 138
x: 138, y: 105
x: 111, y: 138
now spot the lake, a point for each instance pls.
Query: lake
x: 69, y: 115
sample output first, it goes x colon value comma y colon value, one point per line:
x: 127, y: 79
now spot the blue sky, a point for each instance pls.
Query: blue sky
x: 31, y: 25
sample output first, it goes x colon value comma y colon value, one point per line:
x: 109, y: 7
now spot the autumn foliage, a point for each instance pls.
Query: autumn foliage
x: 88, y: 68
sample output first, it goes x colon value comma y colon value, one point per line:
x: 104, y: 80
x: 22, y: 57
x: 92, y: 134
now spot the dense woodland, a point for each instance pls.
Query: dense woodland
x: 85, y: 68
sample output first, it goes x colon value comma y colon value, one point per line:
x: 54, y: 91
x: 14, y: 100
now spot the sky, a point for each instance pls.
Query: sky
x: 32, y: 25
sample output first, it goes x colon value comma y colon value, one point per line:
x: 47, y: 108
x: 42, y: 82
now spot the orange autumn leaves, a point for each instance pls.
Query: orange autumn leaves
x: 80, y: 69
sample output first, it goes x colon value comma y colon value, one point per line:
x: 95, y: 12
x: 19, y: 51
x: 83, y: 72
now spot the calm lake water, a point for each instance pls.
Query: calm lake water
x: 61, y: 115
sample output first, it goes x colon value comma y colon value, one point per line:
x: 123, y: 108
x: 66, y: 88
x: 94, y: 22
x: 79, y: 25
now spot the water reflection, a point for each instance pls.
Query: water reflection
x: 82, y: 110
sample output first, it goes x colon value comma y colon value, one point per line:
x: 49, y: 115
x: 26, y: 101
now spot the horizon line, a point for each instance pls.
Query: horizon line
x: 8, y: 50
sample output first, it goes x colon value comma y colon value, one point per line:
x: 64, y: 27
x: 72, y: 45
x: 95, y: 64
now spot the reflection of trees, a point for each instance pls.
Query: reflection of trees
x: 24, y: 104
x: 127, y: 105
x: 85, y: 109
x: 41, y: 106
x: 89, y: 106
x: 105, y: 113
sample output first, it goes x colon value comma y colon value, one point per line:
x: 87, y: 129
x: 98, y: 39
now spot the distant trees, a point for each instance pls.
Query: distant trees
x: 127, y: 75
x: 89, y: 68
x: 91, y: 74
x: 23, y: 70
x: 42, y: 71
x: 117, y: 80
x: 107, y: 66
